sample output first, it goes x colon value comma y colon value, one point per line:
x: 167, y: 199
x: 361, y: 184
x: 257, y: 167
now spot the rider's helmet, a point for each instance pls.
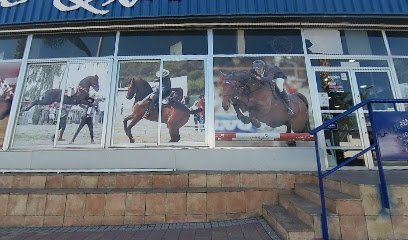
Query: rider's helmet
x: 164, y: 73
x: 259, y: 67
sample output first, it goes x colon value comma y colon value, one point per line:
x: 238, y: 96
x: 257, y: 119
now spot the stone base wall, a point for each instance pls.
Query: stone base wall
x: 373, y: 222
x: 36, y: 200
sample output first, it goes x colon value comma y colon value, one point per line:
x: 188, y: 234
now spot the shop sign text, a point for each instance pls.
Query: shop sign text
x: 72, y: 5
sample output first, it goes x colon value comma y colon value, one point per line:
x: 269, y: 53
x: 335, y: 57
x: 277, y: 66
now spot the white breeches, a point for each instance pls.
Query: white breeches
x: 279, y: 83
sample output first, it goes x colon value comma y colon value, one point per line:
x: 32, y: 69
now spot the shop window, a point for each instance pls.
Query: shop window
x: 138, y: 104
x: 398, y: 42
x: 255, y: 98
x: 72, y: 45
x: 347, y: 42
x: 12, y: 47
x: 273, y: 42
x: 63, y: 104
x: 163, y: 43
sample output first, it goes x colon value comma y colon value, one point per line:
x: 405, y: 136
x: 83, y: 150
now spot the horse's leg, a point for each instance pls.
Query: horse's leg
x: 289, y: 130
x: 240, y: 116
x: 125, y: 127
x: 135, y: 120
x: 255, y: 122
x: 36, y: 102
x: 174, y: 134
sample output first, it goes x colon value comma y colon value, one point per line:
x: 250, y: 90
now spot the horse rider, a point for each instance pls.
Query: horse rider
x: 272, y: 75
x: 166, y: 90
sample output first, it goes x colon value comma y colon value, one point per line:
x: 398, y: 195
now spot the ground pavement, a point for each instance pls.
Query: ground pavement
x: 246, y: 229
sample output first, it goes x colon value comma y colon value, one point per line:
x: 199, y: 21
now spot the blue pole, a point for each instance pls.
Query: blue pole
x: 325, y: 230
x: 383, y: 183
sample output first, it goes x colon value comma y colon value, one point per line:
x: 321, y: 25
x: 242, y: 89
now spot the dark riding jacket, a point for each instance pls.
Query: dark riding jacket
x: 166, y: 89
x: 272, y: 72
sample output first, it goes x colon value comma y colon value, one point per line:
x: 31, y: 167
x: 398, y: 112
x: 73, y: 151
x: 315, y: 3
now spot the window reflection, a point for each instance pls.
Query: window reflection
x: 398, y: 42
x: 347, y: 42
x: 73, y: 45
x: 12, y: 47
x: 163, y: 43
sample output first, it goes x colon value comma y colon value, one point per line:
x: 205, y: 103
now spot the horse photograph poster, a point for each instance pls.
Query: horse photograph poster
x: 8, y: 82
x: 137, y: 109
x: 44, y: 120
x: 262, y: 102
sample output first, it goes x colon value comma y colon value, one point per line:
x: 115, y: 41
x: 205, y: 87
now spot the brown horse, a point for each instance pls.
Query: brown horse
x: 80, y: 96
x: 174, y: 114
x: 263, y: 103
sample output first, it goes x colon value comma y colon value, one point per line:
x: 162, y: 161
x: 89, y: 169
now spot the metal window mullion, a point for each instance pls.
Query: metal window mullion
x: 111, y: 106
x: 160, y: 103
x: 361, y: 119
x: 106, y: 113
x: 393, y: 72
x: 64, y: 84
x: 12, y: 122
x: 210, y: 98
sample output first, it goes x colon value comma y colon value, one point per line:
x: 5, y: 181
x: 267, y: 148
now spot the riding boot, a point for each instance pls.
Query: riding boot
x: 285, y: 99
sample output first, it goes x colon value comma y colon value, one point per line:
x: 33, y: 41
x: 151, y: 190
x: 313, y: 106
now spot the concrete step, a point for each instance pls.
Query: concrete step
x: 85, y: 207
x: 309, y: 213
x: 285, y: 224
x: 336, y: 202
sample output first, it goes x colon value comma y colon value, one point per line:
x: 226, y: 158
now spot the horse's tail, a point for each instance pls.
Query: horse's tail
x: 304, y: 99
x: 196, y: 111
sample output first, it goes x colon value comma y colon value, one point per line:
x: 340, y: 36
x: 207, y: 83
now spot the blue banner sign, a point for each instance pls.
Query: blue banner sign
x: 392, y: 134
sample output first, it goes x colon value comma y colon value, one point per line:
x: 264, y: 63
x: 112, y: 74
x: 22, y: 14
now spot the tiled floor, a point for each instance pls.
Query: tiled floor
x: 247, y: 229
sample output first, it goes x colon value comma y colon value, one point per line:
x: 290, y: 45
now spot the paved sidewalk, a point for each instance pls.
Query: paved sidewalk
x: 246, y: 229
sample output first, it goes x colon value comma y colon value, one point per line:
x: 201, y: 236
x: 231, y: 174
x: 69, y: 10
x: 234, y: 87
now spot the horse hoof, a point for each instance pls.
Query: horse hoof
x: 244, y: 119
x: 256, y: 124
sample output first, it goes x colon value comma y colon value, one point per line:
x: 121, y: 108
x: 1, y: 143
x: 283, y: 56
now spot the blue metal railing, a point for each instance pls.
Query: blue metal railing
x: 375, y: 146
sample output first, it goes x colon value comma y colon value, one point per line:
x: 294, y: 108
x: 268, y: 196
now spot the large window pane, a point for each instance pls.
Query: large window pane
x: 136, y: 80
x: 398, y: 42
x: 82, y: 117
x: 261, y: 111
x: 184, y: 114
x: 225, y: 42
x: 37, y: 119
x: 273, y: 42
x: 402, y: 74
x: 12, y: 47
x: 8, y: 82
x: 347, y: 42
x: 163, y: 43
x: 73, y: 45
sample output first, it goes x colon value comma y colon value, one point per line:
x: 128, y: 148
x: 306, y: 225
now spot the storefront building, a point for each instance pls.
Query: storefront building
x: 249, y: 79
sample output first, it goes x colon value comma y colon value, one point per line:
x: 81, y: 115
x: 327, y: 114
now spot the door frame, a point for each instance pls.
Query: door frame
x: 368, y: 159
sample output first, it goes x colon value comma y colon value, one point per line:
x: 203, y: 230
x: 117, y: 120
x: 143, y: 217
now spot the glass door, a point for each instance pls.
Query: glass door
x: 336, y: 95
x: 339, y: 91
x: 373, y: 84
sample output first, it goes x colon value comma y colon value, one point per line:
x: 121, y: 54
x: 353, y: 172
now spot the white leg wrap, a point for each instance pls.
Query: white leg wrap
x: 279, y: 83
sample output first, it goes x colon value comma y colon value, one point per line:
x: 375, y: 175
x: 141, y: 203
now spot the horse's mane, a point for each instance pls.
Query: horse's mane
x: 143, y: 88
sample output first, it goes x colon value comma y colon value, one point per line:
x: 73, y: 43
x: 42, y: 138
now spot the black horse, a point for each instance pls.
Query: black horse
x: 80, y: 96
